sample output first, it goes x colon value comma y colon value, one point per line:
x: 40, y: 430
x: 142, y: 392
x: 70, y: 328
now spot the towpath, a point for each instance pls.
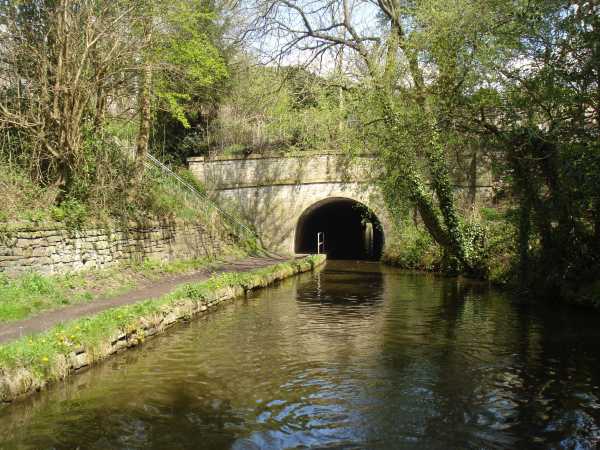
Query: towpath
x: 45, y: 320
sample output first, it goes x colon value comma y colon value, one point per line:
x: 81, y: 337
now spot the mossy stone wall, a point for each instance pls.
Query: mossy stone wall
x: 56, y: 249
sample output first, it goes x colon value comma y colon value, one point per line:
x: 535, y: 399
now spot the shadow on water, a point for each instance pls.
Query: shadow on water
x: 121, y: 417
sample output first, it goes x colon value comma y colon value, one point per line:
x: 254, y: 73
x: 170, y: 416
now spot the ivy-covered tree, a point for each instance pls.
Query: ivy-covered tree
x: 540, y: 112
x: 401, y: 70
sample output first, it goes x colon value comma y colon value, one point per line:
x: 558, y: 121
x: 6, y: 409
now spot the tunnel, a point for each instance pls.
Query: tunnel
x: 340, y: 227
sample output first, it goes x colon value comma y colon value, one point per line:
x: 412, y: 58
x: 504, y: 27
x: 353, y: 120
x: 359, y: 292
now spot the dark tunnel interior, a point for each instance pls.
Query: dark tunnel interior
x: 350, y: 230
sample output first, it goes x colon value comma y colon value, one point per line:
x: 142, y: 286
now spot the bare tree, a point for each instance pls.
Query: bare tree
x: 376, y: 35
x: 62, y: 64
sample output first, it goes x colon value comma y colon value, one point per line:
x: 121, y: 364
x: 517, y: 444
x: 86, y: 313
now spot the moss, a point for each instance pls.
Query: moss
x: 30, y: 363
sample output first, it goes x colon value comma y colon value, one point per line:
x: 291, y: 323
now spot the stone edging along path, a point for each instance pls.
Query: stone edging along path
x: 47, y: 319
x: 178, y: 306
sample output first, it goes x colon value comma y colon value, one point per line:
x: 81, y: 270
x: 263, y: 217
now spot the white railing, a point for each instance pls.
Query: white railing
x: 320, y: 242
x: 200, y: 199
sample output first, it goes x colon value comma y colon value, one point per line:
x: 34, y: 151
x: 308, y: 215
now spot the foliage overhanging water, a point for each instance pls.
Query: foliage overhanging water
x: 357, y: 356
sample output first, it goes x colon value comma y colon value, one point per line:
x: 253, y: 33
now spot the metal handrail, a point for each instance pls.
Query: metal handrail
x: 206, y: 201
x: 320, y: 242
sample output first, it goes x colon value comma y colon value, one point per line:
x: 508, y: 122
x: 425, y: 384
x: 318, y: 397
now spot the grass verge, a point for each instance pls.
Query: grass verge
x: 31, y: 363
x: 32, y: 293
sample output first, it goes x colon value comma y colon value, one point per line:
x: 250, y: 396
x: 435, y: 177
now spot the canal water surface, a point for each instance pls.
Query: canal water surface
x: 356, y: 356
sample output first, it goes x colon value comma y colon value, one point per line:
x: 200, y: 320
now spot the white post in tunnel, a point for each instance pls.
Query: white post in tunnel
x: 369, y: 245
x: 320, y: 242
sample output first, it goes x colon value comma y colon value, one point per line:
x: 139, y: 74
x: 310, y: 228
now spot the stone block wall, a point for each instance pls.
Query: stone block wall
x: 255, y: 171
x: 272, y: 192
x: 55, y: 249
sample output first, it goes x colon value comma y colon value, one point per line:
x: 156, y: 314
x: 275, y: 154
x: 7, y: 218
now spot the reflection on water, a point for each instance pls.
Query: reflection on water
x: 357, y: 356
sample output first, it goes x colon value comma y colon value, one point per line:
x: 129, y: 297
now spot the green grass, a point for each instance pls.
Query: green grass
x: 108, y: 205
x: 32, y: 293
x: 41, y: 355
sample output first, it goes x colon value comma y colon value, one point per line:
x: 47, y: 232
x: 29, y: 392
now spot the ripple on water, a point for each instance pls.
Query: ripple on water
x: 355, y: 357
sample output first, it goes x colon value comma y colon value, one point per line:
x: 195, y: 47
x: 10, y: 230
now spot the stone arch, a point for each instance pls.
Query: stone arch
x: 351, y: 229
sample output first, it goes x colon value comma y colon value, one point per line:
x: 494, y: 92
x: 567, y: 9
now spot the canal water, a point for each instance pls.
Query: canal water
x: 356, y: 356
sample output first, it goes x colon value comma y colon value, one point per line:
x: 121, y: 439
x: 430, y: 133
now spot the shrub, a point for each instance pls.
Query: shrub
x: 72, y: 212
x: 190, y: 179
x: 412, y: 247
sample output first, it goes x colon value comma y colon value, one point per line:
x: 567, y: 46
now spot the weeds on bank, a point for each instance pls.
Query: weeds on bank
x: 104, y: 197
x: 33, y: 293
x: 39, y: 354
x: 410, y: 246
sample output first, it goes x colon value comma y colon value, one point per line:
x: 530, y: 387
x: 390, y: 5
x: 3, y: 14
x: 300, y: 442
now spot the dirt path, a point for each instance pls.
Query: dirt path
x: 45, y: 320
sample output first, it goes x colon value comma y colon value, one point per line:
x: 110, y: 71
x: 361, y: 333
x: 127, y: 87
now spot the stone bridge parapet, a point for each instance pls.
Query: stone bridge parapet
x: 232, y: 173
x: 272, y: 192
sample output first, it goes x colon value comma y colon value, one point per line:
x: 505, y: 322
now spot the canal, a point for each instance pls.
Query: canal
x: 356, y: 356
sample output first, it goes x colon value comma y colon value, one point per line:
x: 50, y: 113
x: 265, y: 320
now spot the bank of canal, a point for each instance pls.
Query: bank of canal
x: 355, y: 356
x: 32, y: 362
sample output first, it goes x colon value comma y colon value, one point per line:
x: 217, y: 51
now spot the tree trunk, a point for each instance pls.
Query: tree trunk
x: 473, y: 178
x: 524, y: 238
x: 143, y: 139
x: 449, y: 236
x: 444, y: 191
x: 446, y: 232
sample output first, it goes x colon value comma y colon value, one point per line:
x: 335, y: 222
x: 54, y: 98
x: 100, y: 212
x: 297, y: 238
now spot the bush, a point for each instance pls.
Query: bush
x: 190, y: 179
x: 500, y: 253
x: 411, y: 247
x: 72, y: 212
x: 492, y: 237
x: 22, y: 199
x: 102, y: 191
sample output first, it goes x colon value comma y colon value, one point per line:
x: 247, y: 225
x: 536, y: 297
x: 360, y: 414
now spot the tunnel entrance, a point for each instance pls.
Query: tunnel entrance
x: 350, y: 230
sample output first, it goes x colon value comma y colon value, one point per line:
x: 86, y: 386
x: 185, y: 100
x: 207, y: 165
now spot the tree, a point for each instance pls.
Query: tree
x: 543, y: 117
x: 60, y: 62
x: 386, y: 43
x: 65, y: 64
x: 284, y: 108
x: 196, y: 71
